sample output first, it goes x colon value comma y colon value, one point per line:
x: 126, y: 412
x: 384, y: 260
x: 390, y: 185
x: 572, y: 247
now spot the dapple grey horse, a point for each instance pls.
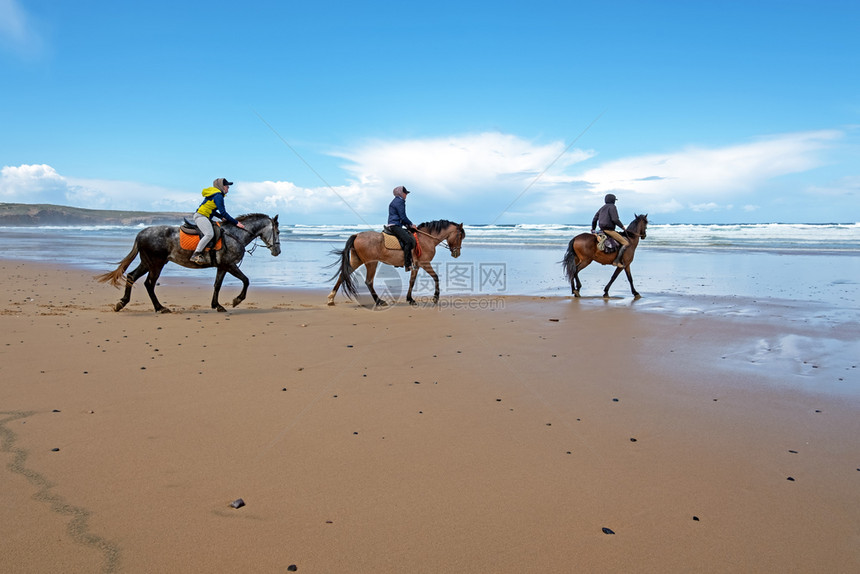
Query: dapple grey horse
x: 159, y: 244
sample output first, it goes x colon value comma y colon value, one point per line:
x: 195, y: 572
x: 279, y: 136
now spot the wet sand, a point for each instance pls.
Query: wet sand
x: 488, y: 435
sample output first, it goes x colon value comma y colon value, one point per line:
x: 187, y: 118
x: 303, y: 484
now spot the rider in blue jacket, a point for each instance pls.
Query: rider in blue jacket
x: 397, y: 220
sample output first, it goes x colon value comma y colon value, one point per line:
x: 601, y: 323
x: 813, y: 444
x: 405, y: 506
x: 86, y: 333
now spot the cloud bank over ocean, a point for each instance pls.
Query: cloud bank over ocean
x: 490, y: 176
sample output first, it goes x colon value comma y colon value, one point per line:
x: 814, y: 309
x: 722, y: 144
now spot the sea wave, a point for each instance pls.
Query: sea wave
x: 775, y: 237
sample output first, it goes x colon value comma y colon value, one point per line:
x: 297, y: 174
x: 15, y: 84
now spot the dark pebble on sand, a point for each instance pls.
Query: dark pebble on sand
x: 349, y: 346
x: 498, y: 400
x: 793, y: 451
x: 55, y: 450
x: 55, y: 411
x: 791, y: 478
x: 238, y: 503
x: 355, y: 432
x: 632, y: 439
x: 614, y: 400
x: 696, y: 518
x: 607, y: 530
x: 292, y: 568
x: 284, y: 389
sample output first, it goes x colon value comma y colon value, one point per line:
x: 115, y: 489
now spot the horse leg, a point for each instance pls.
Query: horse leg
x: 412, y: 275
x: 150, y: 282
x: 633, y: 290
x: 608, y: 285
x: 129, y: 283
x: 368, y: 280
x: 432, y: 273
x: 235, y: 272
x: 575, y: 283
x: 334, y: 291
x: 219, y: 279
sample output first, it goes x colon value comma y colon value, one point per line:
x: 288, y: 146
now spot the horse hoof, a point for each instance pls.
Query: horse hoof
x: 576, y: 293
x: 164, y: 311
x: 236, y: 301
x: 118, y: 307
x: 221, y: 309
x: 413, y: 302
x: 637, y: 296
x: 330, y: 303
x: 381, y: 303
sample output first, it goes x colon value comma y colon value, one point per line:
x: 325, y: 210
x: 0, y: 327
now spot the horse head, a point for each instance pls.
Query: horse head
x: 455, y: 239
x: 265, y: 227
x: 639, y: 225
x: 447, y: 231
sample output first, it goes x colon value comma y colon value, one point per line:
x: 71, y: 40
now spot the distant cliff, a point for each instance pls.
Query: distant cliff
x: 25, y: 214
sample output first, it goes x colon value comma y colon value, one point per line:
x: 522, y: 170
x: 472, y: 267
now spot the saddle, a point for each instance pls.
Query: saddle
x: 391, y: 241
x: 606, y: 243
x: 189, y: 236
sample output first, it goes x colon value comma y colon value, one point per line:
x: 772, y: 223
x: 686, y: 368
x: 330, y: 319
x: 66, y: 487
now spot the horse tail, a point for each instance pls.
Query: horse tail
x: 569, y: 261
x: 344, y: 272
x: 117, y: 277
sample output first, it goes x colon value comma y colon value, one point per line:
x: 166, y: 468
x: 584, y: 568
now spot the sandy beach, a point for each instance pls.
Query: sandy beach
x: 503, y: 434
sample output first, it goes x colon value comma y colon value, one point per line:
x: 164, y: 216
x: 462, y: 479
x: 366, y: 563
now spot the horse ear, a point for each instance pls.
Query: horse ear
x: 275, y: 219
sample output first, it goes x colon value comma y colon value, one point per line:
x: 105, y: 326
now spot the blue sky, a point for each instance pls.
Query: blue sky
x: 501, y: 112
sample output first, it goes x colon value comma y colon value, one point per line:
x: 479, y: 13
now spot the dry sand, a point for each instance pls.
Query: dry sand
x: 414, y: 439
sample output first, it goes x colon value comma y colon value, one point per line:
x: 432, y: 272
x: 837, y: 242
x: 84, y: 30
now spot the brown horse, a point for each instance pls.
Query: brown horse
x: 368, y: 248
x: 582, y: 250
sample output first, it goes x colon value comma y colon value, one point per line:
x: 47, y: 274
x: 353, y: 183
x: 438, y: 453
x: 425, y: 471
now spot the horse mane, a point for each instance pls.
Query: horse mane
x: 249, y: 215
x: 437, y: 225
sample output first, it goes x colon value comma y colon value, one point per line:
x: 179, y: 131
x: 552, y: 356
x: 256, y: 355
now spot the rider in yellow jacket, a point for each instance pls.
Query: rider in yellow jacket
x: 212, y: 206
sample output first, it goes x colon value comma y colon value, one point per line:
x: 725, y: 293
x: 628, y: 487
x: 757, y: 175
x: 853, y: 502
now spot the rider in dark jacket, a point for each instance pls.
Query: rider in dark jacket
x: 607, y: 218
x: 397, y: 220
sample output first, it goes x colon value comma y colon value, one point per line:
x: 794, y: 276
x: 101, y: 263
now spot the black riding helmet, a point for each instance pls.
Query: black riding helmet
x: 610, y: 198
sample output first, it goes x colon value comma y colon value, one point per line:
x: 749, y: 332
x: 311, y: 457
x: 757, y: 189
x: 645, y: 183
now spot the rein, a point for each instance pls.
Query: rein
x: 438, y: 241
x: 253, y: 241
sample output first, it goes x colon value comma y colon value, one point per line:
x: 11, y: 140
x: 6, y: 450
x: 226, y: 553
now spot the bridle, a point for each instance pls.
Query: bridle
x: 254, y: 245
x: 440, y: 241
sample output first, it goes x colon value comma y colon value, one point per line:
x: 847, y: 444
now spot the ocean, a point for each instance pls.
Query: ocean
x: 797, y: 262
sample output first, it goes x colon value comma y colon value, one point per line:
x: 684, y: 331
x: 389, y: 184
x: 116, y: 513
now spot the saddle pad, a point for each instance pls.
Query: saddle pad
x: 391, y: 241
x: 190, y: 242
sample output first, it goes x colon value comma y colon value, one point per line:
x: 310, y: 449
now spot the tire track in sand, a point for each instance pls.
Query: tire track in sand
x: 78, y: 526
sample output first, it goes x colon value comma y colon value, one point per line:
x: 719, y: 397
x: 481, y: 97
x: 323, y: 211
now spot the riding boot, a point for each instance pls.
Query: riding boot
x: 617, y: 261
x: 407, y: 260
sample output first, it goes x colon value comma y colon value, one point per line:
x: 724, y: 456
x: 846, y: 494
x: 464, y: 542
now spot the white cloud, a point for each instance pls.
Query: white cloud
x: 42, y: 184
x: 456, y: 166
x: 477, y: 177
x: 33, y: 184
x: 699, y: 179
x: 286, y: 197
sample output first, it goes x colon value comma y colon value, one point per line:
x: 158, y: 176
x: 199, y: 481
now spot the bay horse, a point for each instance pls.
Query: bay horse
x: 368, y: 248
x: 582, y: 250
x: 159, y: 244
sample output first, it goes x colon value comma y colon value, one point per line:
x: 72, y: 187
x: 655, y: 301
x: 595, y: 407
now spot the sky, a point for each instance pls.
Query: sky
x: 489, y: 112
